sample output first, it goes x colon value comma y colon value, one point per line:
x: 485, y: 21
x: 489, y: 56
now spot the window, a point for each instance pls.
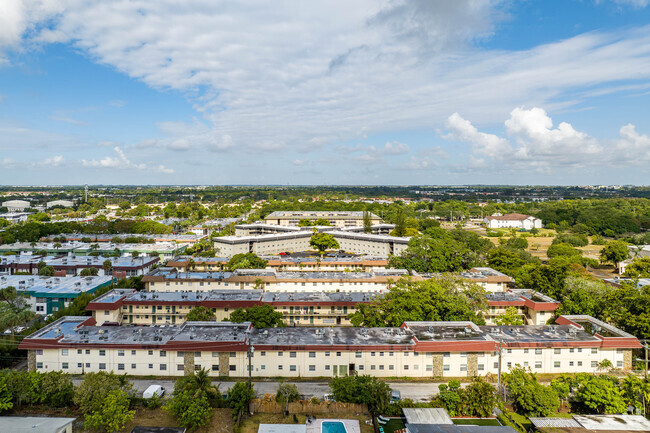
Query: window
x: 233, y: 368
x: 570, y: 363
x: 233, y: 354
x: 120, y: 366
x: 594, y: 364
x: 406, y: 354
x: 391, y: 353
x: 163, y: 353
x: 133, y: 366
x: 579, y: 363
x: 163, y: 367
x: 381, y: 353
x: 594, y: 350
x: 446, y: 355
x: 327, y: 354
x: 64, y: 352
x: 357, y: 354
x: 525, y: 350
x: 338, y: 353
x: 509, y: 364
x: 180, y: 354
x: 150, y: 352
x: 64, y: 365
x: 133, y: 352
x: 151, y: 366
x: 39, y: 365
x: 87, y: 364
x: 197, y: 354
x: 538, y: 351
x: 292, y: 354
x: 406, y: 367
x: 507, y: 351
x: 79, y: 365
x: 215, y: 367
x: 557, y: 351
x: 496, y: 365
x: 463, y: 354
x: 429, y: 367
x: 39, y: 351
x: 481, y: 367
x: 372, y: 353
x: 120, y: 352
x: 102, y: 366
x: 579, y: 349
x: 327, y: 367
x: 197, y: 367
x: 538, y: 364
x: 556, y: 364
x: 292, y: 368
x: 445, y: 367
x: 312, y: 368
x: 180, y: 367
x: 619, y: 364
x: 571, y: 350
x: 279, y: 353
x: 79, y: 351
x: 391, y: 367
x: 102, y: 352
x: 262, y: 367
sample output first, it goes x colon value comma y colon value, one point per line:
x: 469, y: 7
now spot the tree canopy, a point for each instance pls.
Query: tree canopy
x: 261, y: 316
x: 200, y: 314
x: 323, y: 242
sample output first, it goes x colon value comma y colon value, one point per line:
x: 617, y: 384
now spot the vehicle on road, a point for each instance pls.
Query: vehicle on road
x: 395, y: 396
x: 153, y: 391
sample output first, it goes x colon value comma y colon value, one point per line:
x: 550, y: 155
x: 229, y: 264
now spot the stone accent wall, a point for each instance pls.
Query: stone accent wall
x: 31, y: 360
x: 438, y: 359
x: 188, y: 361
x: 224, y: 364
x: 472, y: 364
x: 627, y: 360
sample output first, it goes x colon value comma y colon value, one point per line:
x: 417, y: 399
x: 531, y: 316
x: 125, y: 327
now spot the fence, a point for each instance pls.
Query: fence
x: 267, y: 404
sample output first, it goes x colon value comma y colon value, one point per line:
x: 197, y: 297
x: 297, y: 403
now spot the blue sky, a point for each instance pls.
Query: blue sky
x: 331, y: 92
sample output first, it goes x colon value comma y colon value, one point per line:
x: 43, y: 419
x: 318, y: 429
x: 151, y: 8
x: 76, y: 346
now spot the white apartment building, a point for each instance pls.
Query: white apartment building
x: 416, y: 349
x: 335, y: 218
x: 513, y: 220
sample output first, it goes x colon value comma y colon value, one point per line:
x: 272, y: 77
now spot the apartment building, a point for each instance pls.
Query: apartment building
x: 533, y: 308
x: 287, y: 263
x: 335, y: 218
x: 153, y: 238
x: 49, y: 294
x: 169, y: 280
x: 416, y: 349
x: 165, y: 250
x: 268, y: 239
x: 128, y: 307
x: 514, y: 221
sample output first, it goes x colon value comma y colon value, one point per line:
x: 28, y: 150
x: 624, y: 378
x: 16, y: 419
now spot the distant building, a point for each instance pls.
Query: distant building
x: 62, y: 203
x: 37, y: 424
x: 335, y: 218
x: 513, y: 220
x: 15, y: 217
x: 16, y: 205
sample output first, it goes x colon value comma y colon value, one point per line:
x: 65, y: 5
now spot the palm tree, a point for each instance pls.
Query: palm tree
x: 57, y: 246
x: 107, y: 265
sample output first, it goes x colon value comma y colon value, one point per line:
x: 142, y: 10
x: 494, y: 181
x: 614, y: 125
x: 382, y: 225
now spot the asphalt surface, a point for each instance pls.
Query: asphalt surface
x: 415, y: 391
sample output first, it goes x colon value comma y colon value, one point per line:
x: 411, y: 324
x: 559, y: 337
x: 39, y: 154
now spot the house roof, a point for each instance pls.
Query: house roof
x: 510, y: 217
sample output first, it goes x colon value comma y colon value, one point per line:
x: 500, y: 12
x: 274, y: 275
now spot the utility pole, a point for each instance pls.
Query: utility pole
x: 499, y: 373
x: 251, y: 349
x: 646, y: 346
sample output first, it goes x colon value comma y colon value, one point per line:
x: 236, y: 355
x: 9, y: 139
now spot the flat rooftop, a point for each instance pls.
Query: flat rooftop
x: 316, y: 214
x: 53, y: 286
x: 172, y: 274
x: 294, y: 336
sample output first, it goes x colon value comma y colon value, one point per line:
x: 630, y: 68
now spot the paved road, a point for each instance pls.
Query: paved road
x: 414, y: 391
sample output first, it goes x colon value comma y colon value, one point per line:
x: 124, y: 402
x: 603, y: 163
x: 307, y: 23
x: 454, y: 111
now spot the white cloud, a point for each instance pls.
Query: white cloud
x: 537, y: 145
x: 482, y: 143
x: 7, y: 163
x: 54, y: 161
x: 119, y: 162
x: 252, y: 72
x: 393, y: 148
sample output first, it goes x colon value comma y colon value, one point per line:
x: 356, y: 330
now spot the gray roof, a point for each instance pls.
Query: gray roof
x: 429, y: 415
x: 54, y: 286
x: 33, y: 424
x: 613, y: 422
x: 282, y: 428
x: 452, y: 428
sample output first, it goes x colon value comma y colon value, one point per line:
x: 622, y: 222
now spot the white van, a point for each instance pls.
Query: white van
x: 153, y: 391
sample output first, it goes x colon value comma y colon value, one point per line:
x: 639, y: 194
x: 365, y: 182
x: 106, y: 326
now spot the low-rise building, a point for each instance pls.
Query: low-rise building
x: 15, y: 217
x: 155, y: 238
x: 514, y: 221
x: 416, y: 349
x: 16, y: 205
x: 286, y: 263
x: 128, y: 307
x: 168, y: 280
x: 165, y: 250
x: 62, y: 203
x: 50, y: 294
x: 335, y: 218
x: 533, y: 308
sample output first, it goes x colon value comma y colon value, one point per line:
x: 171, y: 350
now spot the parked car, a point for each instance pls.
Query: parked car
x: 395, y: 396
x: 328, y: 397
x: 153, y: 391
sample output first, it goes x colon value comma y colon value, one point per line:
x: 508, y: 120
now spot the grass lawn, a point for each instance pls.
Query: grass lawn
x: 476, y: 421
x: 393, y: 425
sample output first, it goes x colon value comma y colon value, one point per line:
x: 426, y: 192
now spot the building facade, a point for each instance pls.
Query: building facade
x: 335, y: 218
x: 514, y: 221
x: 416, y: 349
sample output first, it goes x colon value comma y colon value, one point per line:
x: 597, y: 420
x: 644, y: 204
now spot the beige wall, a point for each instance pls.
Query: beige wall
x: 282, y: 286
x: 266, y: 363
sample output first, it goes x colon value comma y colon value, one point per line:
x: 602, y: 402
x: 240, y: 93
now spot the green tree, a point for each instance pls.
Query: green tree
x: 479, y: 398
x: 286, y: 394
x: 107, y: 266
x: 14, y: 309
x: 530, y: 398
x: 200, y: 314
x: 323, y: 242
x: 113, y: 413
x: 88, y: 272
x: 515, y: 243
x: 125, y: 205
x: 91, y: 393
x: 363, y: 389
x: 322, y: 222
x: 57, y: 389
x: 509, y: 317
x: 639, y: 268
x: 46, y: 271
x: 5, y: 396
x: 189, y: 409
x: 367, y: 222
x: 245, y: 261
x: 261, y: 316
x: 399, y: 219
x: 614, y: 252
x: 563, y: 250
x: 445, y: 298
x: 238, y: 398
x: 600, y: 394
x: 304, y: 223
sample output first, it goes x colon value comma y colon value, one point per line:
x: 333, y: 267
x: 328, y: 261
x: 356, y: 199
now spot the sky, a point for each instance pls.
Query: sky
x: 401, y: 92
